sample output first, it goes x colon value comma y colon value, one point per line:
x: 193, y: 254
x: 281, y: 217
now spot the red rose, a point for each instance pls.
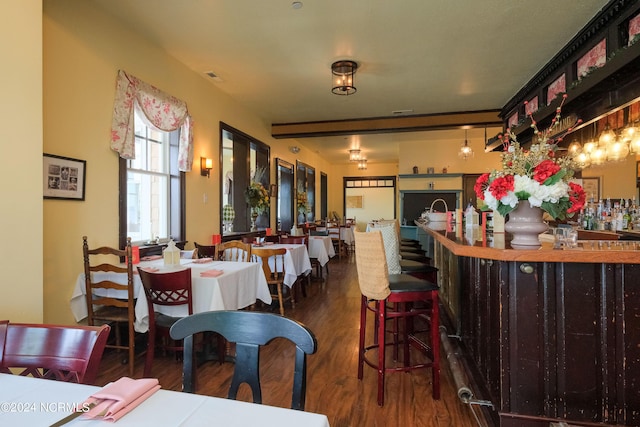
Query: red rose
x: 544, y: 170
x: 577, y: 198
x: 501, y: 186
x: 481, y: 184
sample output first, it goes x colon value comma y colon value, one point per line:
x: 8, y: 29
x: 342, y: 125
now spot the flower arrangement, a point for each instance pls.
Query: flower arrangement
x: 535, y: 174
x: 302, y: 202
x: 256, y: 195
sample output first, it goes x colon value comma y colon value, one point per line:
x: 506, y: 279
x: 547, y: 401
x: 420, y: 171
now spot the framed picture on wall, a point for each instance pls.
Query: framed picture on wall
x: 355, y: 202
x: 63, y: 177
x: 591, y: 187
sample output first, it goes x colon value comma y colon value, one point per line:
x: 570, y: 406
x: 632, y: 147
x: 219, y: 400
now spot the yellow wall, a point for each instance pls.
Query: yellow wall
x: 21, y: 172
x: 83, y: 50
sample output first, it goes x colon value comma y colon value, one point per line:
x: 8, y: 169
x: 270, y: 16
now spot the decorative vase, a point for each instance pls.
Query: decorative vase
x: 254, y: 217
x: 525, y: 224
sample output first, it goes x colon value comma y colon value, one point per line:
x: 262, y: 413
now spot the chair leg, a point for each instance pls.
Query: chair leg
x: 132, y: 348
x: 363, y: 332
x: 280, y: 298
x: 151, y: 344
x: 382, y: 316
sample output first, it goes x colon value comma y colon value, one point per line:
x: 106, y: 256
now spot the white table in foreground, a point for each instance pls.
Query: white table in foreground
x: 240, y: 286
x: 36, y: 402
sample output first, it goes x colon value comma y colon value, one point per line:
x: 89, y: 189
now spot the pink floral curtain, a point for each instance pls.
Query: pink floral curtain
x: 161, y: 109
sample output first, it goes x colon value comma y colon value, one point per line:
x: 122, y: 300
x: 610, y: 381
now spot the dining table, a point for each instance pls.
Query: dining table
x: 238, y: 285
x: 40, y: 402
x: 321, y: 248
x: 296, y: 260
x: 346, y: 233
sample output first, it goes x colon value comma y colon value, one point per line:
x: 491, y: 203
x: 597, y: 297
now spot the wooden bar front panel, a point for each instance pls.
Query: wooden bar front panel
x: 549, y: 340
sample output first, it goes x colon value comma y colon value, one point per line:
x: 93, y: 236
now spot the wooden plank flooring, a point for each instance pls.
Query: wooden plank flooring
x: 331, y: 311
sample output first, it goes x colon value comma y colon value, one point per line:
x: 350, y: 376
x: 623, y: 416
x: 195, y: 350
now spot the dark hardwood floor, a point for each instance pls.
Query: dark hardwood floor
x: 331, y: 311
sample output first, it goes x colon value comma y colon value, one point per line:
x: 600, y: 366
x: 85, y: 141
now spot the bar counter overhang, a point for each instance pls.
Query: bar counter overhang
x: 546, y: 334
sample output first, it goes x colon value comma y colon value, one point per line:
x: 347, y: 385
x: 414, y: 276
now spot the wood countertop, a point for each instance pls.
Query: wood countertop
x: 476, y: 244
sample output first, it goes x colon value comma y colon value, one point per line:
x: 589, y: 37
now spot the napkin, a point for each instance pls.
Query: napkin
x: 151, y: 269
x: 202, y: 260
x: 117, y: 399
x: 151, y: 257
x: 211, y: 273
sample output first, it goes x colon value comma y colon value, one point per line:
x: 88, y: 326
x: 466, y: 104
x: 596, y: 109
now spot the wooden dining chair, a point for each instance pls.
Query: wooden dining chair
x: 249, y: 331
x: 205, y: 251
x: 233, y: 250
x: 274, y: 273
x: 164, y: 289
x: 336, y: 239
x: 395, y: 297
x: 101, y: 308
x: 63, y: 353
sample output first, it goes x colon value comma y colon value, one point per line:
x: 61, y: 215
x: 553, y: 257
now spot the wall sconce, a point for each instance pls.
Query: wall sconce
x: 205, y: 166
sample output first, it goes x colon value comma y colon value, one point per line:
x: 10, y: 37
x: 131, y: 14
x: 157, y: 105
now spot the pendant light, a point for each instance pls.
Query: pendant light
x: 465, y: 151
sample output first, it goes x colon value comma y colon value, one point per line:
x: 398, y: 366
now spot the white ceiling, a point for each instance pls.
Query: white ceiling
x: 426, y: 56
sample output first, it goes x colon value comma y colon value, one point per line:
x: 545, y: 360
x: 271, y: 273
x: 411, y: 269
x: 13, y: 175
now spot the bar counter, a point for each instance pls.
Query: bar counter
x: 545, y: 335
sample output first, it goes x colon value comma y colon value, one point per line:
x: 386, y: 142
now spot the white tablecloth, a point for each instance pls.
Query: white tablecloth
x: 346, y: 234
x: 296, y: 261
x: 240, y: 286
x: 36, y: 402
x: 321, y: 248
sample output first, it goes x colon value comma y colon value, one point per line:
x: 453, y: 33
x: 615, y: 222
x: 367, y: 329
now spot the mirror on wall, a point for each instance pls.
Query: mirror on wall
x: 285, y: 206
x: 242, y: 158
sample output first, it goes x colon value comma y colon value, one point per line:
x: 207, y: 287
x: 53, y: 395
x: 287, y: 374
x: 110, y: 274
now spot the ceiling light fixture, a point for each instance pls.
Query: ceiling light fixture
x: 342, y: 77
x: 362, y: 164
x: 465, y: 151
x: 294, y: 149
x: 354, y: 155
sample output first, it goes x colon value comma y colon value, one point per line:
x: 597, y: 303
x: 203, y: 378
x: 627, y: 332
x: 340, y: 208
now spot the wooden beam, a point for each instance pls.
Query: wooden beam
x: 387, y: 124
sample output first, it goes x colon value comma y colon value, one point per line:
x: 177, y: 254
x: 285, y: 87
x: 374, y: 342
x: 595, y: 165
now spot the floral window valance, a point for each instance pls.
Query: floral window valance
x: 164, y: 111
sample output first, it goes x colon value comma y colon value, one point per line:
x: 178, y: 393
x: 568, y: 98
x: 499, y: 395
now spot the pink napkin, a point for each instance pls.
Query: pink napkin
x: 117, y: 399
x: 202, y: 260
x: 151, y: 257
x: 211, y: 273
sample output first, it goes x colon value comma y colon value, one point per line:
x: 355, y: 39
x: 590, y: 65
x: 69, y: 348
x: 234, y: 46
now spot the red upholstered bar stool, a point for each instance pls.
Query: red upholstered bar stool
x: 391, y: 297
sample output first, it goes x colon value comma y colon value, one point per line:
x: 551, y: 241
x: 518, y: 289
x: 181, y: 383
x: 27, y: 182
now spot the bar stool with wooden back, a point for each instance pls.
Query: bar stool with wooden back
x: 164, y: 289
x: 103, y: 309
x: 393, y: 297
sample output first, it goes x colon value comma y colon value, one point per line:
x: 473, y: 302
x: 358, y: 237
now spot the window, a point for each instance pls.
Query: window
x: 285, y: 203
x: 306, y: 183
x: 241, y: 156
x: 154, y: 203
